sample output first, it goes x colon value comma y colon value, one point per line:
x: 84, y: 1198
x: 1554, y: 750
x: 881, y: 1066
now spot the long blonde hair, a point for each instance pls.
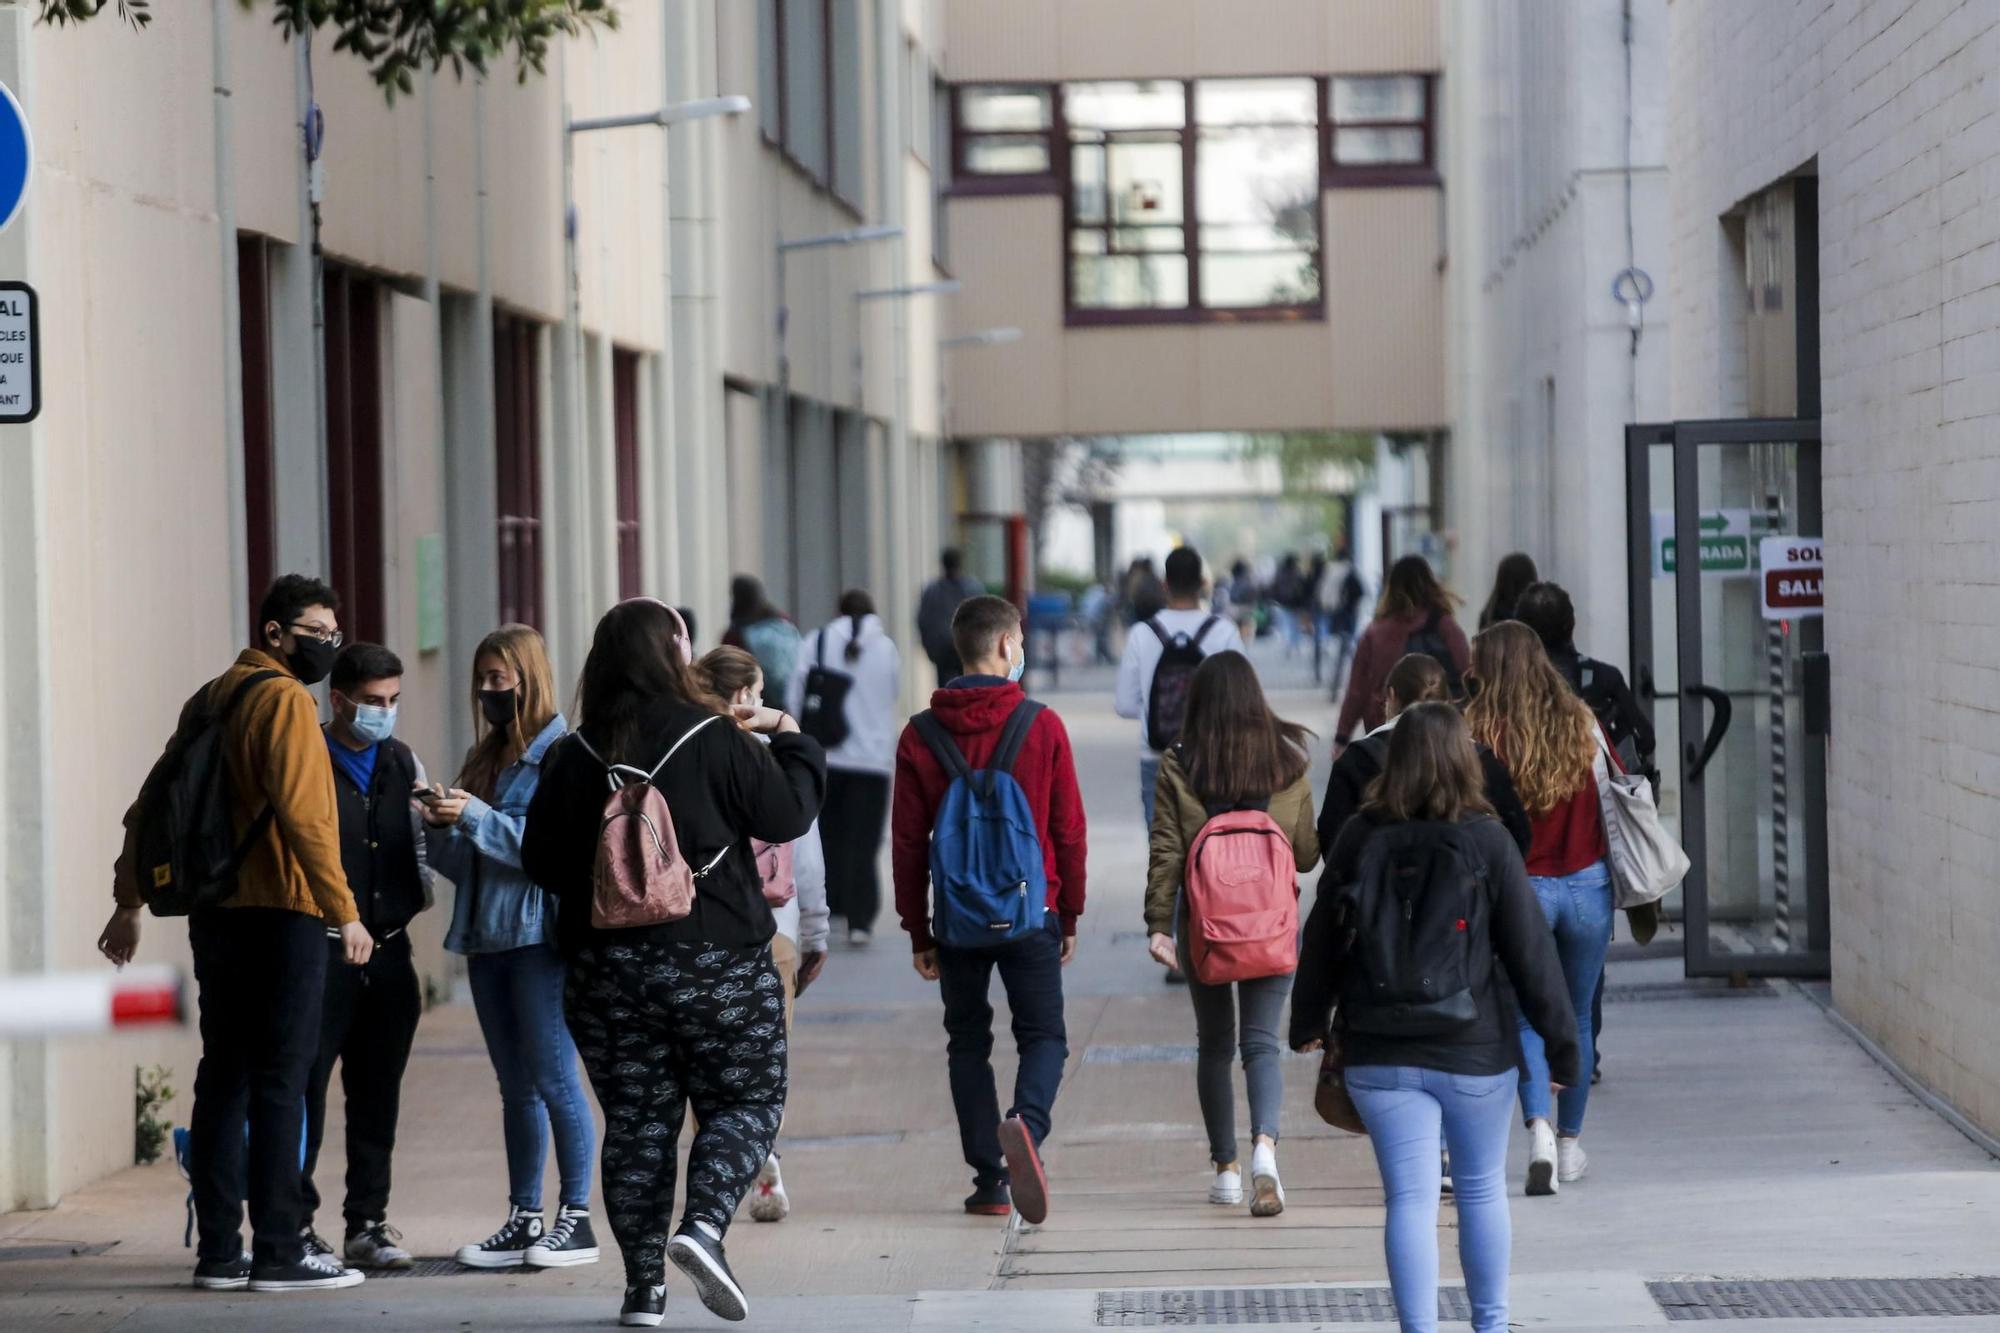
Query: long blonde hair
x: 1525, y: 712
x: 522, y: 649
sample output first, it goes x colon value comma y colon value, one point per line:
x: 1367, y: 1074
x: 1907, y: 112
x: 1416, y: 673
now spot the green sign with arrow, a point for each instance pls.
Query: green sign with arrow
x: 1726, y: 547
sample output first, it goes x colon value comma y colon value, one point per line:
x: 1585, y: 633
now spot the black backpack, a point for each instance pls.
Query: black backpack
x: 186, y: 850
x: 1416, y: 925
x: 823, y: 712
x: 1166, y: 704
x: 1429, y: 640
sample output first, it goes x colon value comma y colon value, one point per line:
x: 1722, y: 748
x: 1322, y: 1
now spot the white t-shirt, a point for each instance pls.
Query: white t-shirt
x: 1142, y: 657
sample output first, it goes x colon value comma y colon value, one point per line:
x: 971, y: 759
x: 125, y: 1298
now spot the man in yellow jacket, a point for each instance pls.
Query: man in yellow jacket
x: 260, y: 957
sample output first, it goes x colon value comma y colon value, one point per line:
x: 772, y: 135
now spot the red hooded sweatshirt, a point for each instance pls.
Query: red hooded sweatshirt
x: 974, y: 715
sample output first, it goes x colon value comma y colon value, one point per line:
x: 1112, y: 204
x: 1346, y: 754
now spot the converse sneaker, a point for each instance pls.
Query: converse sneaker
x: 375, y: 1245
x: 1266, y: 1190
x: 566, y: 1244
x: 1541, y: 1159
x: 1227, y: 1187
x: 313, y: 1272
x: 223, y: 1274
x: 1571, y: 1160
x: 645, y: 1307
x: 768, y: 1201
x: 509, y: 1245
x: 698, y: 1253
x: 989, y: 1200
x: 1024, y: 1170
x: 316, y: 1243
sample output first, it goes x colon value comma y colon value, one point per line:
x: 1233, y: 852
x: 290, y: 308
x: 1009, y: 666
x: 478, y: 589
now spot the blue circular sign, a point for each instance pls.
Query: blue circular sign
x: 17, y: 157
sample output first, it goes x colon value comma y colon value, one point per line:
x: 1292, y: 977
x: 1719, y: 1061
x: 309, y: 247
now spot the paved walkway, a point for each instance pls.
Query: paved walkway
x: 1736, y: 1136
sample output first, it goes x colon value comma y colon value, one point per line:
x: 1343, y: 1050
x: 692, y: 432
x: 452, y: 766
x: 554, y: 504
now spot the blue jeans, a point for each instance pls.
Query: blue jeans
x: 1578, y: 908
x: 1031, y: 971
x: 1149, y: 782
x: 518, y: 995
x: 1409, y: 1112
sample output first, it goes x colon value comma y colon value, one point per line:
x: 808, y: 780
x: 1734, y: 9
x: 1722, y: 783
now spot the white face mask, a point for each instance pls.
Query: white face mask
x: 1017, y: 669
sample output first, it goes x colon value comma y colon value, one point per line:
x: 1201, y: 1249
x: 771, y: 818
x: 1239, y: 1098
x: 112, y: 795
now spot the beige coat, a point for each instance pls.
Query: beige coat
x: 1178, y: 816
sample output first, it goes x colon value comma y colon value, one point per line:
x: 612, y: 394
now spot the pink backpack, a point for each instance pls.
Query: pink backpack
x: 774, y: 867
x: 1242, y: 890
x: 640, y: 877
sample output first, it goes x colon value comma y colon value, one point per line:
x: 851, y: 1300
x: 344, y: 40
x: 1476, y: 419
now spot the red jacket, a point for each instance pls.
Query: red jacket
x: 1046, y: 771
x: 1381, y: 647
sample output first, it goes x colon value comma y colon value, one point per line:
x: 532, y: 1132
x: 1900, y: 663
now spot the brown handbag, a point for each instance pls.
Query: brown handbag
x: 1331, y: 1097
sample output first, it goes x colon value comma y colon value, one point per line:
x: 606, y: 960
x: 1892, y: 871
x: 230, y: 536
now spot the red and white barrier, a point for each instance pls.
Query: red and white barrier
x: 64, y: 1003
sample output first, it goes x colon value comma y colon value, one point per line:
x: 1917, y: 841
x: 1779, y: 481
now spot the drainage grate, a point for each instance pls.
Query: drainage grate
x: 1691, y: 989
x: 1267, y: 1305
x: 1139, y: 1055
x: 448, y: 1268
x: 1828, y: 1298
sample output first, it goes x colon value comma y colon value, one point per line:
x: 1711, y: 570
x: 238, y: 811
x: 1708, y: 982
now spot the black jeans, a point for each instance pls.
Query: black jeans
x: 1031, y: 971
x: 850, y: 829
x: 369, y: 1021
x: 262, y: 977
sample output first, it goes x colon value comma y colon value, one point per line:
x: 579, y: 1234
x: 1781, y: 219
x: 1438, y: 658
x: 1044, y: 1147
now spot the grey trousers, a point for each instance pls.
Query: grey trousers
x: 1240, y: 1016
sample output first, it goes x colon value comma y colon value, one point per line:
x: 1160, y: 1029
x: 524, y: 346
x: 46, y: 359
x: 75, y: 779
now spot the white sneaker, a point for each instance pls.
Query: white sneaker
x: 1268, y: 1193
x: 377, y: 1245
x: 1541, y: 1158
x: 1571, y: 1160
x: 768, y: 1200
x: 859, y: 937
x: 1227, y: 1187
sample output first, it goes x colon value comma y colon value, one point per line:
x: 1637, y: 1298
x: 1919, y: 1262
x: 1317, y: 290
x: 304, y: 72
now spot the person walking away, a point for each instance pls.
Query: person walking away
x: 1432, y: 894
x: 1340, y: 592
x: 1235, y: 796
x: 1549, y: 741
x: 1291, y: 595
x: 1145, y: 596
x: 958, y: 858
x: 794, y: 879
x: 766, y: 632
x: 370, y: 1013
x: 1161, y: 656
x: 673, y: 992
x: 258, y: 932
x: 940, y: 600
x: 1413, y: 616
x: 846, y: 700
x: 503, y: 923
x: 1513, y: 576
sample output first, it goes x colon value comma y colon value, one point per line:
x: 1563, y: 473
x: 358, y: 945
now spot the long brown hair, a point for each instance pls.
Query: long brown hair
x: 637, y: 658
x: 521, y: 648
x: 1525, y: 712
x: 1431, y: 772
x: 1233, y: 747
x: 1417, y: 678
x: 1412, y: 589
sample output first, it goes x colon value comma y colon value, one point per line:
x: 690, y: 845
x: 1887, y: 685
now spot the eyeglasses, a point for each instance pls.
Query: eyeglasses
x: 332, y: 637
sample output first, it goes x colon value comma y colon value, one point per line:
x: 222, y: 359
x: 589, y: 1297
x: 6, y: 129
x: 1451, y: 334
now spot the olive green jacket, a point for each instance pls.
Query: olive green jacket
x: 1178, y: 815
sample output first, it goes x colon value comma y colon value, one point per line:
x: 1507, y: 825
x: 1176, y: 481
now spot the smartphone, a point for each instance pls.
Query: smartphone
x: 429, y: 795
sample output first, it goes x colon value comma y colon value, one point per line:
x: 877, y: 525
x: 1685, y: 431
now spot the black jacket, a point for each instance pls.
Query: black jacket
x: 1603, y: 687
x: 1521, y: 943
x: 1361, y: 763
x: 379, y: 848
x: 724, y: 788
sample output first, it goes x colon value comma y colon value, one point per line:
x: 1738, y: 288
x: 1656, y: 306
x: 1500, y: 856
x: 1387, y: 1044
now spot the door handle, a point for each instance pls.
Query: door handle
x: 1697, y: 758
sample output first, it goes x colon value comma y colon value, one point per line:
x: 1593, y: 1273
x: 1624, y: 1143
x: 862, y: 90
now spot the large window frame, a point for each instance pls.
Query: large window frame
x: 1366, y: 175
x: 967, y: 180
x: 626, y: 474
x: 356, y: 525
x: 845, y: 187
x: 517, y: 433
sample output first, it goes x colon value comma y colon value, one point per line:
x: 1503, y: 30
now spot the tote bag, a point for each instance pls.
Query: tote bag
x: 1646, y: 862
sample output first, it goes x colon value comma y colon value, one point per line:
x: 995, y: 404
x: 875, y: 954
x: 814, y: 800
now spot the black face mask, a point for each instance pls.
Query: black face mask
x: 310, y: 660
x: 500, y: 707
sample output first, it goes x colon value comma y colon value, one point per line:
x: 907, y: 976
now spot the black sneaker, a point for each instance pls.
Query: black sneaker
x: 313, y: 1272
x: 508, y: 1246
x: 700, y: 1256
x: 989, y: 1200
x: 645, y: 1307
x: 223, y: 1274
x: 568, y: 1243
x: 315, y: 1243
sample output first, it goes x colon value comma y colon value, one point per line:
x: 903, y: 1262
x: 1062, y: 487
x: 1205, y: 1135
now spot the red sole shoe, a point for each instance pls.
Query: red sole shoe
x: 988, y: 1209
x: 1024, y: 1168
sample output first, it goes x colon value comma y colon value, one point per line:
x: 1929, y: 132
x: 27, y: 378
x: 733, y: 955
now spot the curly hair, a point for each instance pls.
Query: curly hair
x: 1525, y: 712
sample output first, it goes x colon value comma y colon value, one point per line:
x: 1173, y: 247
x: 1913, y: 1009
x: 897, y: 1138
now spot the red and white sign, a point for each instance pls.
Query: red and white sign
x: 1794, y: 578
x: 93, y: 1001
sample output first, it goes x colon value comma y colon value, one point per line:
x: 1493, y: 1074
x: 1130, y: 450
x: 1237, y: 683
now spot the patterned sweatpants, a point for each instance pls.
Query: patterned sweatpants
x: 662, y: 1027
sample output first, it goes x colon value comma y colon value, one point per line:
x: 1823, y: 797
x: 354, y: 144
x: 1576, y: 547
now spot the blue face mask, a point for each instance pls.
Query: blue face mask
x: 373, y: 723
x: 1020, y: 668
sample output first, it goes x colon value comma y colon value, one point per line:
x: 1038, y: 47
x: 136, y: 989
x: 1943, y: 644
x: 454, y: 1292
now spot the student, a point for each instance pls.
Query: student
x: 503, y: 923
x: 858, y: 763
x: 1514, y: 575
x: 685, y: 1014
x: 260, y: 956
x: 1161, y: 655
x: 1414, y: 616
x: 1340, y: 594
x: 940, y: 601
x: 1234, y: 753
x: 1527, y: 714
x: 371, y: 1012
x: 973, y: 712
x: 799, y: 948
x: 767, y: 633
x: 1447, y: 1087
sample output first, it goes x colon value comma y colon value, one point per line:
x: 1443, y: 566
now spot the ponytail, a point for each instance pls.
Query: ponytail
x: 853, y: 652
x: 855, y: 604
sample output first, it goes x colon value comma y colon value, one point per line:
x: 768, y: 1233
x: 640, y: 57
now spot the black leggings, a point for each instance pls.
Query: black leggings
x: 850, y: 829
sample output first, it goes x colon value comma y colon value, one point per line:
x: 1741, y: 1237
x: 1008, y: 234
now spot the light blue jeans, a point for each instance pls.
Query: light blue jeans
x: 1410, y: 1112
x: 1578, y: 908
x: 518, y: 995
x: 1149, y: 781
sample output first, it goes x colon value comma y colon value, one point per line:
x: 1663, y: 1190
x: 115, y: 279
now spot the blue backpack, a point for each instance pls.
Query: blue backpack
x: 986, y: 855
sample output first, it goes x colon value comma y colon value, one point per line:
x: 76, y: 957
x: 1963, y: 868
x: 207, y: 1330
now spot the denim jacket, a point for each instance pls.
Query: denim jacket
x: 497, y: 907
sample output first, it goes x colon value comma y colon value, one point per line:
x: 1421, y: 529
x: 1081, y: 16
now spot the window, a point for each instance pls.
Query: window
x: 517, y: 417
x: 770, y: 72
x: 941, y: 174
x: 844, y: 94
x: 353, y: 338
x: 809, y: 63
x: 1379, y: 130
x: 625, y: 455
x: 1005, y: 140
x: 253, y: 291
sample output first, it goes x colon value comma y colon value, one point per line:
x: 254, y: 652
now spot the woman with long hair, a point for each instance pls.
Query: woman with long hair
x: 1449, y: 1084
x: 505, y: 926
x: 860, y: 753
x: 1234, y: 753
x: 1415, y: 615
x: 1514, y: 576
x: 765, y: 632
x: 1549, y: 739
x: 683, y: 1014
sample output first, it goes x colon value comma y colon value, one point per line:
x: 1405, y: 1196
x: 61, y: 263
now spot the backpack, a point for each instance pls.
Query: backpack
x: 823, y: 711
x: 775, y: 645
x: 1416, y: 922
x: 186, y: 852
x: 1166, y: 703
x: 1605, y: 707
x: 774, y: 868
x: 1429, y: 640
x: 1242, y: 894
x: 640, y: 877
x: 987, y: 874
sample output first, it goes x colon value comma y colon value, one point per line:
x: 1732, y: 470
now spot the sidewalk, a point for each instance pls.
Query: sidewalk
x: 1735, y: 1136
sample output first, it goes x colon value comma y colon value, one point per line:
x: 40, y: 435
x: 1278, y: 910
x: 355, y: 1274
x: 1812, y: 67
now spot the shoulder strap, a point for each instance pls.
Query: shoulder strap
x: 242, y: 690
x: 819, y: 647
x: 1013, y: 736
x: 1159, y: 631
x: 941, y: 744
x: 1432, y: 621
x: 675, y: 749
x: 1202, y: 634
